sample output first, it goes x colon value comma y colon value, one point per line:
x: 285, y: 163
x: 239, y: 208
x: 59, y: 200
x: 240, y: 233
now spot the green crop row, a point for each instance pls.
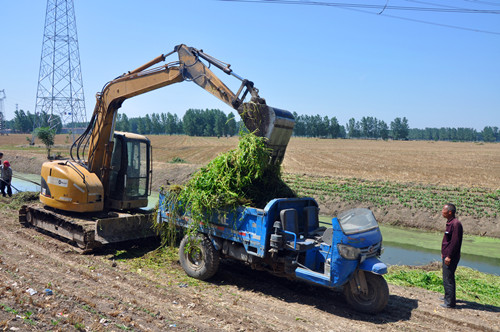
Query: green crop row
x: 476, y: 202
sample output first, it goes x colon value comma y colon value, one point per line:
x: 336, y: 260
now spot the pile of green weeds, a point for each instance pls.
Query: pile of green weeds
x: 239, y: 177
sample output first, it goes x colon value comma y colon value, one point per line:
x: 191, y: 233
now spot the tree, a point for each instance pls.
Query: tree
x: 231, y: 125
x: 353, y: 128
x: 368, y: 127
x: 334, y: 128
x: 156, y: 125
x: 489, y: 134
x: 383, y: 130
x: 219, y: 123
x: 172, y: 124
x: 47, y: 136
x: 400, y: 128
x: 22, y: 122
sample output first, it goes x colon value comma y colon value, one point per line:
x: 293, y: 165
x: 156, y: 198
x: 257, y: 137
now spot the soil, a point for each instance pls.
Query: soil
x: 94, y: 292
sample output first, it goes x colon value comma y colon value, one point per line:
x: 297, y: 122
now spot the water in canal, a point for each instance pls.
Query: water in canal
x: 411, y: 255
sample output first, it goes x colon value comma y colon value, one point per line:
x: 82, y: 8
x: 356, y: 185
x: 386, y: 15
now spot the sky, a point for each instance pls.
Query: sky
x: 306, y: 57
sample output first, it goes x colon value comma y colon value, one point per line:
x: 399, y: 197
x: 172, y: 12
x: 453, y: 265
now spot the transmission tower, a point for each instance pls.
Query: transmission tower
x: 2, y: 118
x: 60, y: 86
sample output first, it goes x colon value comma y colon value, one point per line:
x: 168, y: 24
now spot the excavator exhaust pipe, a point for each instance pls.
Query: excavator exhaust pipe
x: 272, y: 123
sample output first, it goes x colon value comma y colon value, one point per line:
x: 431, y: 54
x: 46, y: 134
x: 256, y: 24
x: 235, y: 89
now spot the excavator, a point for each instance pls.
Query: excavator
x: 98, y: 197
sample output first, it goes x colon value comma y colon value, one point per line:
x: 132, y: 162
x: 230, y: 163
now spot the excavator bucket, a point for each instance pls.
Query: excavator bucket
x: 272, y: 123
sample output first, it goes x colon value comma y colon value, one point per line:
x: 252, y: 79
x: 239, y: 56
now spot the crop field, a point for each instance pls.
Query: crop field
x: 436, y: 163
x: 473, y: 201
x: 450, y: 164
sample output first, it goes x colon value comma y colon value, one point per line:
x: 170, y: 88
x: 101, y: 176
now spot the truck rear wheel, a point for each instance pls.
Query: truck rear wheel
x: 374, y: 300
x: 198, y: 257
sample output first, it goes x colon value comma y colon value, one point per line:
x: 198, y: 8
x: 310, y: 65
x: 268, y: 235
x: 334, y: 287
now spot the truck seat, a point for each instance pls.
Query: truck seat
x: 311, y: 219
x: 290, y: 221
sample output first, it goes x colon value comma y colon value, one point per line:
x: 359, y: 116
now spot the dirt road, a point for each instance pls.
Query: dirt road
x: 95, y: 293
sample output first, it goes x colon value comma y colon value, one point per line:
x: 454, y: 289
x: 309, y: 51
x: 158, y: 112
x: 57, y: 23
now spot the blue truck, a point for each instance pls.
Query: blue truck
x: 286, y: 239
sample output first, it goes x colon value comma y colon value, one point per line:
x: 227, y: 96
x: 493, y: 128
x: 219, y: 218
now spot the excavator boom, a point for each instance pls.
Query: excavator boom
x: 274, y: 124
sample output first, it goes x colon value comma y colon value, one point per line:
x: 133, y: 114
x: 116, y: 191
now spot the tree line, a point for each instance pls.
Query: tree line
x: 195, y: 122
x: 488, y: 134
x: 214, y: 122
x: 367, y: 127
x: 26, y: 122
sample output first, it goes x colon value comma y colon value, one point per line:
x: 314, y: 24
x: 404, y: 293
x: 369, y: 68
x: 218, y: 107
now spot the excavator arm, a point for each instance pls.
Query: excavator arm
x: 274, y: 124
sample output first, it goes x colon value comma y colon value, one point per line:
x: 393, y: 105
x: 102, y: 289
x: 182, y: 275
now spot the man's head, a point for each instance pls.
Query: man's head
x: 449, y: 211
x: 6, y: 164
x: 1, y: 155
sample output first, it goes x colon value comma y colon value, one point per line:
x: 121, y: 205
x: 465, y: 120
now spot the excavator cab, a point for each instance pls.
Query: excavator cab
x: 130, y: 172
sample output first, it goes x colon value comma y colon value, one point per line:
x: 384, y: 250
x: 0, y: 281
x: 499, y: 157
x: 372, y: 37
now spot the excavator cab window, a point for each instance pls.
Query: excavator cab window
x: 129, y: 176
x: 138, y: 169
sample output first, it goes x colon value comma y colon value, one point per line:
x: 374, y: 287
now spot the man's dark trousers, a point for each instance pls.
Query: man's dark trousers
x: 449, y: 283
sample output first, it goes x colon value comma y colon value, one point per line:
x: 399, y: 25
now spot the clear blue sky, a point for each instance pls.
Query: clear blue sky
x: 308, y: 59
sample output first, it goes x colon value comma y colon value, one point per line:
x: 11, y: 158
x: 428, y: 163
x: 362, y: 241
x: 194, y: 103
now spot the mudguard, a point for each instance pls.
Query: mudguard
x: 373, y: 265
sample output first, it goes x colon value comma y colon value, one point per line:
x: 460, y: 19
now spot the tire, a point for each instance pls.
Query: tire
x: 198, y: 257
x: 375, y: 300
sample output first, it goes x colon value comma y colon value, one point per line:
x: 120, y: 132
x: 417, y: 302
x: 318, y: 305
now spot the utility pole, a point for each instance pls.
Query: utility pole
x: 60, y: 88
x: 2, y: 118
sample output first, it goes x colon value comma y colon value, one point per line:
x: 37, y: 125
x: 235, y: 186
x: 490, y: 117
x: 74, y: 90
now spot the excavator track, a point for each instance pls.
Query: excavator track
x: 88, y: 231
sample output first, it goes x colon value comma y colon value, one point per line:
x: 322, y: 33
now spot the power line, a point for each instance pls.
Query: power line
x: 448, y: 9
x: 383, y: 8
x: 484, y: 2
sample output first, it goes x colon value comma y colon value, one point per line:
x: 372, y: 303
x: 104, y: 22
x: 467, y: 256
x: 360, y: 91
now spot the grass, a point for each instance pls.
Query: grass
x: 472, y: 285
x: 19, y: 199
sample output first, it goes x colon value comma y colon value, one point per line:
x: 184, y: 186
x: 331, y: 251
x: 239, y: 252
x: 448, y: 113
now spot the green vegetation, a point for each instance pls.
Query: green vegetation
x: 18, y: 199
x: 47, y: 136
x: 242, y: 176
x: 476, y: 202
x: 8, y: 309
x: 178, y: 160
x: 472, y: 285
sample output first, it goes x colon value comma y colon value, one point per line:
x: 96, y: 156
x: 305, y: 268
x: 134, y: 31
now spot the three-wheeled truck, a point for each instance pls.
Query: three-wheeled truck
x: 285, y: 238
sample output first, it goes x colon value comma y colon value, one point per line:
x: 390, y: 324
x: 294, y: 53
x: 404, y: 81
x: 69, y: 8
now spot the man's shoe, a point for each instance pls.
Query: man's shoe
x: 447, y: 306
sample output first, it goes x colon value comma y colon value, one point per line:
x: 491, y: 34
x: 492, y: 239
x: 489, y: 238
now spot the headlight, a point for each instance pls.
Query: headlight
x: 348, y: 252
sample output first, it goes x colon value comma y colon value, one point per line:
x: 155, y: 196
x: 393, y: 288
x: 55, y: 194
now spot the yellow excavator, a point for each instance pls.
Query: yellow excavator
x: 96, y: 197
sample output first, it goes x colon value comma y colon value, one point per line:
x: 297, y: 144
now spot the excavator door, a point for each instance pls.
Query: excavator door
x: 130, y: 173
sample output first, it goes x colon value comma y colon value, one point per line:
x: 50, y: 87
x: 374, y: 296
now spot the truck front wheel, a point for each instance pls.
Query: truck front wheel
x: 198, y: 257
x: 374, y: 300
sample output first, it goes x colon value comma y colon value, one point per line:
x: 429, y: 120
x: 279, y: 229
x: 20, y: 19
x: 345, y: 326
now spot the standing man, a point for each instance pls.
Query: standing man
x: 450, y: 253
x: 6, y: 178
